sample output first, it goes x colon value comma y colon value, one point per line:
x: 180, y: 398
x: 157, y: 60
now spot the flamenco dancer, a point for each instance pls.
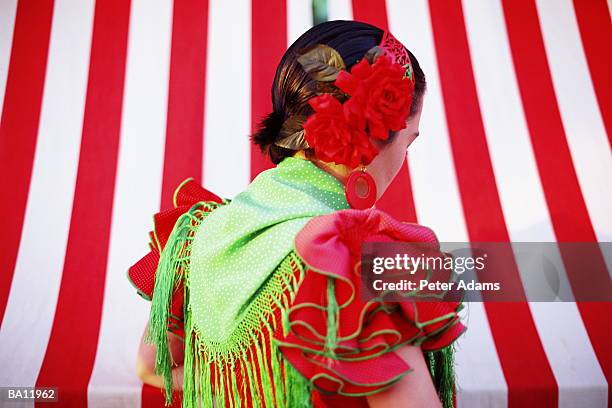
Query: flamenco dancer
x: 255, y: 301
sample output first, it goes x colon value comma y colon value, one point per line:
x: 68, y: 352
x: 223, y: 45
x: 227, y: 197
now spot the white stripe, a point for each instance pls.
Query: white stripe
x: 299, y: 18
x: 438, y: 205
x: 480, y: 379
x: 565, y: 341
x: 339, y: 10
x: 580, y: 114
x: 137, y: 197
x: 38, y: 272
x: 227, y: 149
x: 507, y: 133
x: 430, y: 157
x: 579, y: 377
x: 8, y: 9
x: 504, y: 122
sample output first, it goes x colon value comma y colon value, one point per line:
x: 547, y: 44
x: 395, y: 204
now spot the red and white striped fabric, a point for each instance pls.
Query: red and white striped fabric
x: 108, y: 104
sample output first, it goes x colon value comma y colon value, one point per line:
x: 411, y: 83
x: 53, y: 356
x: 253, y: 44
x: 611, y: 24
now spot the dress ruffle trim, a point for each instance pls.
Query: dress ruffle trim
x: 142, y: 273
x: 342, y: 343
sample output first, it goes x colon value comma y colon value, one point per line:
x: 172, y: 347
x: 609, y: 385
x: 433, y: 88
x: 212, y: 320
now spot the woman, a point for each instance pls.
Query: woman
x: 264, y: 288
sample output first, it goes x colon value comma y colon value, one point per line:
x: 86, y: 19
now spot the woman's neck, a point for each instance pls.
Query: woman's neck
x: 339, y: 171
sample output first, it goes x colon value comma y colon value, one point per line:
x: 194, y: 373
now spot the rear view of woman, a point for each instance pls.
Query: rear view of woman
x: 261, y: 294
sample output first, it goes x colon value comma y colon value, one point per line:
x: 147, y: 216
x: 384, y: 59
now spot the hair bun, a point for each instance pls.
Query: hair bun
x: 268, y: 131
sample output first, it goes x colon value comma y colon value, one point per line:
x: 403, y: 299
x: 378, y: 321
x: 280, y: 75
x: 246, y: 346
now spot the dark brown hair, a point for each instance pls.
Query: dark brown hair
x: 292, y: 87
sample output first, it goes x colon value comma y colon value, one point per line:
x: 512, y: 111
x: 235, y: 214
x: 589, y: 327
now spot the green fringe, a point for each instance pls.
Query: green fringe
x: 441, y: 367
x: 299, y: 388
x: 171, y: 269
x: 250, y: 350
x: 190, y: 385
x: 331, y: 338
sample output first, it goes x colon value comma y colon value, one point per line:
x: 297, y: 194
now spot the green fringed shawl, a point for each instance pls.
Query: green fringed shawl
x: 238, y: 265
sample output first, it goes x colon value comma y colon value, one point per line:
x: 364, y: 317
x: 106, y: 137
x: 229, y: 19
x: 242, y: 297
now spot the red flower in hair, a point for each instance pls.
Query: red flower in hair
x: 335, y: 134
x: 380, y: 96
x: 383, y: 91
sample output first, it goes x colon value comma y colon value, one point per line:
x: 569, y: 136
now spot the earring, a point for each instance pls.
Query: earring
x: 360, y: 189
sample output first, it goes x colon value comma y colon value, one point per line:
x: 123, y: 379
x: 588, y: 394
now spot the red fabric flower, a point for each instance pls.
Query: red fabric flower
x: 384, y: 92
x: 336, y: 132
x: 380, y: 100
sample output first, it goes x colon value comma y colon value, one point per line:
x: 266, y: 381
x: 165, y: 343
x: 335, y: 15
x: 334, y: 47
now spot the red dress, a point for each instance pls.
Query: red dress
x: 368, y: 332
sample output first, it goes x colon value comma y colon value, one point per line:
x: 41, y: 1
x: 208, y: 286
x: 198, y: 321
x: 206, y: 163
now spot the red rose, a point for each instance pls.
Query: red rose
x: 384, y: 92
x: 390, y: 94
x: 353, y: 83
x: 335, y: 132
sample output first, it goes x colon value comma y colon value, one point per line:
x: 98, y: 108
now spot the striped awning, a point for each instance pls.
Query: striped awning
x: 107, y: 105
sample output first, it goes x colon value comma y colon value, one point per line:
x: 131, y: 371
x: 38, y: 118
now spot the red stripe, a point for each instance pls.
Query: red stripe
x: 71, y: 350
x: 187, y: 87
x: 268, y: 44
x: 372, y: 12
x: 596, y: 318
x: 565, y: 202
x: 153, y: 397
x: 528, y: 374
x: 185, y: 122
x: 19, y: 127
x: 397, y: 199
x: 593, y: 19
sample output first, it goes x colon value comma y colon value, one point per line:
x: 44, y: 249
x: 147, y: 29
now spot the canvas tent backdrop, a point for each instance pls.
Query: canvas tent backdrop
x: 108, y: 105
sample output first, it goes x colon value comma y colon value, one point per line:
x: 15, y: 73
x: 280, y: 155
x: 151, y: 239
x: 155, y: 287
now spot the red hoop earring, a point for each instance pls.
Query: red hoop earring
x: 360, y: 189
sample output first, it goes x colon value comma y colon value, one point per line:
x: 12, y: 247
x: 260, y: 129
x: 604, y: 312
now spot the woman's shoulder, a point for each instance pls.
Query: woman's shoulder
x: 190, y: 200
x: 329, y: 241
x: 343, y: 341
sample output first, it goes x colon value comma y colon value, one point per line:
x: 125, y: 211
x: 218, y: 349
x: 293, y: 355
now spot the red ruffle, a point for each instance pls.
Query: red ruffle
x: 367, y: 332
x: 142, y: 273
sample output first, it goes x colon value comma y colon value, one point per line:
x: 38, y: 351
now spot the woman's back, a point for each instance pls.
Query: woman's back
x: 266, y: 288
x: 269, y: 346
x: 243, y: 272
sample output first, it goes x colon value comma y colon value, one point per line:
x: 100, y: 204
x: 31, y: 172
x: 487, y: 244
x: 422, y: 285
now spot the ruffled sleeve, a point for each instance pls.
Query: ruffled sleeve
x: 142, y: 274
x: 343, y: 343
